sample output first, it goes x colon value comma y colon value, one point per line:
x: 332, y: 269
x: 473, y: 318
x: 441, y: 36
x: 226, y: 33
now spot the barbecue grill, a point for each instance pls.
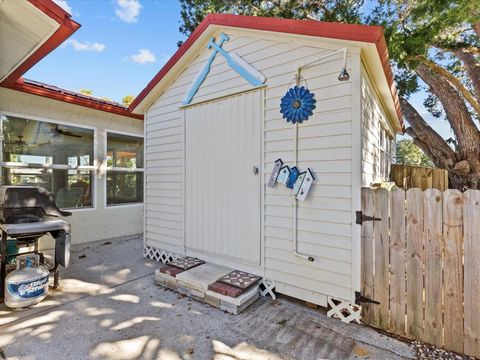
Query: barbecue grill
x: 26, y: 214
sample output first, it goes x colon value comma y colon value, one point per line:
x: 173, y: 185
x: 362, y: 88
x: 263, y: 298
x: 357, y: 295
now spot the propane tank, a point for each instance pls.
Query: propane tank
x: 27, y: 286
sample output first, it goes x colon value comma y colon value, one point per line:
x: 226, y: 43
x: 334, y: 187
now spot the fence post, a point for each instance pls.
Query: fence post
x: 433, y: 266
x: 381, y: 245
x: 415, y: 261
x: 471, y: 218
x: 368, y: 202
x: 453, y: 269
x: 397, y: 262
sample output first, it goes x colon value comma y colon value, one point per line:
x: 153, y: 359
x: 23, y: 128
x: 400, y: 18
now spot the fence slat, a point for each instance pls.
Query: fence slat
x: 453, y: 269
x: 471, y: 216
x: 397, y: 262
x: 382, y: 244
x: 415, y: 258
x: 433, y: 266
x: 407, y: 176
x: 368, y: 201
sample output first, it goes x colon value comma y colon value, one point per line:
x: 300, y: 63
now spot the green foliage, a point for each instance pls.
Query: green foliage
x: 424, y: 28
x: 127, y: 100
x: 410, y: 154
x: 194, y: 11
x: 86, y: 92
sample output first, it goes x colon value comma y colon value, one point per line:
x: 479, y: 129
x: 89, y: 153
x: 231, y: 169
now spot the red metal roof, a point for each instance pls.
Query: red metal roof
x: 67, y: 28
x: 72, y: 97
x: 351, y: 32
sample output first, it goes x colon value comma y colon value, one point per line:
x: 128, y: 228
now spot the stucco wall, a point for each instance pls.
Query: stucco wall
x: 100, y: 222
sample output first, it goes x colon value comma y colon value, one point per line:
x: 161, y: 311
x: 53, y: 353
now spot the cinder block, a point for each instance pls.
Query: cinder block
x: 165, y: 280
x: 198, y: 295
x: 211, y: 300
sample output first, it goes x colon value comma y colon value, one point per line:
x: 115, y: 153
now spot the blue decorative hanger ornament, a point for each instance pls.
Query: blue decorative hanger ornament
x: 297, y: 104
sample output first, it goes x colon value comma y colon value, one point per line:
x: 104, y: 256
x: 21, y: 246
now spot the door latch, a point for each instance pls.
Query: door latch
x: 255, y: 170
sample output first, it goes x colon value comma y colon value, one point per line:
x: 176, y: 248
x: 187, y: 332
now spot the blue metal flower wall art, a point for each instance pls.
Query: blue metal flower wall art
x: 297, y: 104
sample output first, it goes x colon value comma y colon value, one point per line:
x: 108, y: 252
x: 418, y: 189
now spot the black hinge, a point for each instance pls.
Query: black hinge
x: 359, y: 298
x: 360, y: 218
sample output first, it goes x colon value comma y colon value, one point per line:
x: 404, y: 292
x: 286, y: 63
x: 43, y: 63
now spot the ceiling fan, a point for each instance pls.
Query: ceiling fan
x: 59, y: 131
x: 18, y: 142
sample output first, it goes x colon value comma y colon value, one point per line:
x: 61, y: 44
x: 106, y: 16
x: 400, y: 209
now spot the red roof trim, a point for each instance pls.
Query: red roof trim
x: 67, y: 28
x: 70, y: 97
x: 351, y: 32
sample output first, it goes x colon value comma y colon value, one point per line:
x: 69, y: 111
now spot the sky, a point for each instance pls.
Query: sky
x: 122, y: 44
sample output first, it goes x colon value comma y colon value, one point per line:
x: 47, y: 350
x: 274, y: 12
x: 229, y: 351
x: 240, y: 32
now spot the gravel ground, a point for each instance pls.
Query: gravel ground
x: 430, y: 352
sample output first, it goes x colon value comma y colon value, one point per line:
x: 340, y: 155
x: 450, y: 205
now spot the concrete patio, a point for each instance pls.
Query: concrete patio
x: 108, y: 307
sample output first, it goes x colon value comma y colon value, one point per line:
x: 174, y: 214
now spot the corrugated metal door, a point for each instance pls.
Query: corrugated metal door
x: 223, y: 178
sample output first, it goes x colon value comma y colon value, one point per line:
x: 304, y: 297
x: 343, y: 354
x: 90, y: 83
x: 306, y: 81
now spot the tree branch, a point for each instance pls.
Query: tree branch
x: 472, y: 67
x: 458, y: 116
x: 476, y: 28
x: 452, y: 79
x: 434, y: 146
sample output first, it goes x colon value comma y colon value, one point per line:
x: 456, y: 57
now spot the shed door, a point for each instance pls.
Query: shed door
x: 222, y: 185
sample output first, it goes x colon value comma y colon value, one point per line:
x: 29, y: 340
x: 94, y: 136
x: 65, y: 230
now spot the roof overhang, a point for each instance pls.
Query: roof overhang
x: 71, y: 97
x: 369, y: 38
x: 29, y: 30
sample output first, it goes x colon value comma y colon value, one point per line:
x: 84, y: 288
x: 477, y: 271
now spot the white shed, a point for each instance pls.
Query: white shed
x: 213, y: 134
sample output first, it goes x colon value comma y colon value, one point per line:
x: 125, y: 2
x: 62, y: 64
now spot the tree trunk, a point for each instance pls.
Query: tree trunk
x: 427, y: 139
x: 473, y: 69
x: 466, y: 132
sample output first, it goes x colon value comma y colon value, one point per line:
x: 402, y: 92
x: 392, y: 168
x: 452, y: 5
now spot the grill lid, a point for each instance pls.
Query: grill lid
x: 21, y: 204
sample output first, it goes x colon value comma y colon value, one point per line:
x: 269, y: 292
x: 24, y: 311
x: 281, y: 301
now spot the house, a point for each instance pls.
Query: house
x: 213, y: 131
x: 88, y: 152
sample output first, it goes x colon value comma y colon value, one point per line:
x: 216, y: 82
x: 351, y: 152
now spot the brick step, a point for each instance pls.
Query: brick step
x: 200, y: 283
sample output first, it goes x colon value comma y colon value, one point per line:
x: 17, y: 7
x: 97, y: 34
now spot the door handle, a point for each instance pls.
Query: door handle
x: 255, y: 170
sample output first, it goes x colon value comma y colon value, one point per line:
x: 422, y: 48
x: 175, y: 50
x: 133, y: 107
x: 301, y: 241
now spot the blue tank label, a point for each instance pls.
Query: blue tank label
x: 28, y: 289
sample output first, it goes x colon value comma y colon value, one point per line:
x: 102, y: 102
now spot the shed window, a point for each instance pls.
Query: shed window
x: 124, y: 169
x: 54, y: 156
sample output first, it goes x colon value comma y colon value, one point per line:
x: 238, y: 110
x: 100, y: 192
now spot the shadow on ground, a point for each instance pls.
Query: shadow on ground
x: 108, y: 307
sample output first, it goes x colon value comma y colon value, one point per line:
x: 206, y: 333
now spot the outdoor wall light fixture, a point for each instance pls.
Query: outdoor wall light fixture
x: 343, y: 76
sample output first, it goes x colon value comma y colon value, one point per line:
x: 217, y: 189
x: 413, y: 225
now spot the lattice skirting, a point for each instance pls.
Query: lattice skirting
x: 343, y: 310
x: 156, y: 254
x: 267, y: 288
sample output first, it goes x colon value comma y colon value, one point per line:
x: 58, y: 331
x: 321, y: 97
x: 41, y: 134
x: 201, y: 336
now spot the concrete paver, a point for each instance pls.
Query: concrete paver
x: 109, y: 307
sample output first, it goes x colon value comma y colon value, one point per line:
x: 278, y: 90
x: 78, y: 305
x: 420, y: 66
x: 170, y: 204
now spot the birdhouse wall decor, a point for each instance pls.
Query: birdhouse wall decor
x: 283, y: 175
x: 292, y: 177
x: 297, y: 104
x: 306, y: 185
x: 275, y: 172
x: 298, y: 182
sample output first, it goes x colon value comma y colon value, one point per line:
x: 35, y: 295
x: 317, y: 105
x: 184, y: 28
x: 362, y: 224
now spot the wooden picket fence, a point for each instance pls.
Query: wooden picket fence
x: 421, y: 261
x: 408, y: 177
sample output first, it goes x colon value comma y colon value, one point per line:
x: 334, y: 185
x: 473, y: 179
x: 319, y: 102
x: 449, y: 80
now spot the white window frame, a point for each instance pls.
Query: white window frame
x: 120, y: 169
x: 93, y: 168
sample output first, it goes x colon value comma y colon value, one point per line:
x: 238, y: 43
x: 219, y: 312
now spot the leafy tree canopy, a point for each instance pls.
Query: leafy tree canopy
x: 407, y: 153
x: 127, y: 100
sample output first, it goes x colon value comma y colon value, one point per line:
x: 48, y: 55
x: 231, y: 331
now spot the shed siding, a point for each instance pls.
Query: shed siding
x: 324, y: 145
x: 374, y: 122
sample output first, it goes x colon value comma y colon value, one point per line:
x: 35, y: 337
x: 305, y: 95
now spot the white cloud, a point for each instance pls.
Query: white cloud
x: 85, y: 46
x: 128, y: 10
x: 143, y: 56
x: 64, y: 5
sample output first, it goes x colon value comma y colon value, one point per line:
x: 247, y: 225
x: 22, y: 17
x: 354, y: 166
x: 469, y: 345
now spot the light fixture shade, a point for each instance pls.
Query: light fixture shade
x: 344, y: 75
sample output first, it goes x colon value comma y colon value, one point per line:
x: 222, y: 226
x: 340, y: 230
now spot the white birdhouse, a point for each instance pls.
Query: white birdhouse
x: 283, y: 175
x: 306, y: 184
